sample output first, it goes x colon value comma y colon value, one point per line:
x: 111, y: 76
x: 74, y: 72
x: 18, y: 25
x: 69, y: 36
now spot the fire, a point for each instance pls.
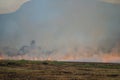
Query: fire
x: 110, y: 58
x: 68, y: 57
x: 1, y: 57
x: 113, y: 56
x: 79, y: 53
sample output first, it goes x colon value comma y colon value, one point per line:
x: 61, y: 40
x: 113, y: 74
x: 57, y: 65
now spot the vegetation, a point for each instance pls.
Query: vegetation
x: 54, y: 70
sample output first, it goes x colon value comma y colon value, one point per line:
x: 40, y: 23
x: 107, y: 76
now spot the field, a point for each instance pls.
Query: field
x: 54, y: 70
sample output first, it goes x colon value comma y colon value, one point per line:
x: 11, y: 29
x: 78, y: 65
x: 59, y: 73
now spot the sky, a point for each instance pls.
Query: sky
x: 62, y: 24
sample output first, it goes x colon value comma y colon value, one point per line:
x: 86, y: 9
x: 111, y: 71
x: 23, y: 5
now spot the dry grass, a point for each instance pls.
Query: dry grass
x: 53, y: 70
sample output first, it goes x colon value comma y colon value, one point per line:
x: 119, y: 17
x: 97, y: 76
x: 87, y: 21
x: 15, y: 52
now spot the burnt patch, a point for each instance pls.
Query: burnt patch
x: 113, y: 75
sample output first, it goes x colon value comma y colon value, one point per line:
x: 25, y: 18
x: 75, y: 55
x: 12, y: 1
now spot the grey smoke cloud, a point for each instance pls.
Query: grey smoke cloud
x: 112, y: 1
x: 65, y: 23
x: 73, y: 28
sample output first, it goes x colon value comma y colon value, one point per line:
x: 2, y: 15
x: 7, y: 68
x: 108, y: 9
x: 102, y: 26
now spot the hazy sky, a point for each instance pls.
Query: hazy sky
x: 60, y: 23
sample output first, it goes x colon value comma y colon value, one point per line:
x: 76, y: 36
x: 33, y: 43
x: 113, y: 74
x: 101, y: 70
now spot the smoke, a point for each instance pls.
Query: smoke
x: 80, y: 30
x: 9, y: 6
x: 112, y: 1
x: 78, y: 53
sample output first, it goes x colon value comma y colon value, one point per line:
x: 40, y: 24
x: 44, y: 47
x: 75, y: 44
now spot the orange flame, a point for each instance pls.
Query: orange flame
x: 72, y: 54
x: 110, y: 58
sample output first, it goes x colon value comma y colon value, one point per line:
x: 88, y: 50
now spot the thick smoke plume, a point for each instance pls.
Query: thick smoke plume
x: 80, y: 30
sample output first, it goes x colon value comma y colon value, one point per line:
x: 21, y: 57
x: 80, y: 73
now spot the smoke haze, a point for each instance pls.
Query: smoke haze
x: 112, y: 1
x: 80, y: 30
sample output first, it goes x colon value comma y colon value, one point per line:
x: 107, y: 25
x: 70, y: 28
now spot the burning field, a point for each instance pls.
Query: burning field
x: 60, y: 30
x: 79, y: 54
x: 59, y: 39
x: 32, y: 62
